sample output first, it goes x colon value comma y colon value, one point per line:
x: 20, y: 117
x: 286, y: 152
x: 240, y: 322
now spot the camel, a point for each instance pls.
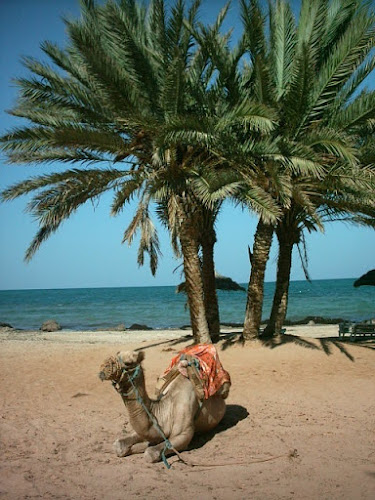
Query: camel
x: 177, y: 412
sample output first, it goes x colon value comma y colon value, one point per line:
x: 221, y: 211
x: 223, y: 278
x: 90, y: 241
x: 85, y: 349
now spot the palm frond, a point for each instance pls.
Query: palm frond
x: 303, y: 255
x: 124, y: 193
x: 64, y: 193
x: 333, y: 144
x: 73, y: 136
x: 296, y: 98
x: 250, y: 115
x: 149, y: 243
x: 262, y: 203
x: 352, y: 85
x: 95, y: 178
x: 254, y: 21
x: 311, y: 26
x: 346, y: 58
x: 283, y: 41
x: 357, y: 112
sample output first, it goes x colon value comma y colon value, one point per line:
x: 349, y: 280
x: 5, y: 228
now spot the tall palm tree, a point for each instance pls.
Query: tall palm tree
x: 245, y: 150
x: 352, y: 202
x: 133, y: 96
x: 308, y: 73
x: 121, y: 90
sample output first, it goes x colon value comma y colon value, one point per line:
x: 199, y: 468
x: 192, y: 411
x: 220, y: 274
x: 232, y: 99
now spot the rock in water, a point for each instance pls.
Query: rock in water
x: 366, y: 279
x: 136, y: 326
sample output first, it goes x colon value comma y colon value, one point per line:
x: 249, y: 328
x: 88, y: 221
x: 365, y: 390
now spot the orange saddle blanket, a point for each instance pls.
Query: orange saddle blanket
x: 211, y: 371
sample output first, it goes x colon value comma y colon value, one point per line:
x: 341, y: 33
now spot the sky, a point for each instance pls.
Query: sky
x: 87, y: 250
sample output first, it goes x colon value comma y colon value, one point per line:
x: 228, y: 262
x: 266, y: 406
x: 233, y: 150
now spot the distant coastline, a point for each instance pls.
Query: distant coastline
x: 244, y: 284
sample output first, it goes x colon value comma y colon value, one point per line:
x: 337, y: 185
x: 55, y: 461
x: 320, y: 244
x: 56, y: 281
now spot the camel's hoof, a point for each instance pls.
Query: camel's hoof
x: 151, y: 455
x: 121, y: 449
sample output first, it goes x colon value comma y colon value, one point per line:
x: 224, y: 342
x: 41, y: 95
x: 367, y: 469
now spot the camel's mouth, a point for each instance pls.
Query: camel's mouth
x: 115, y: 371
x: 115, y: 367
x: 110, y: 369
x: 115, y: 375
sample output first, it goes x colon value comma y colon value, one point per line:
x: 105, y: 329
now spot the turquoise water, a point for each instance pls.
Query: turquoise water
x: 161, y: 307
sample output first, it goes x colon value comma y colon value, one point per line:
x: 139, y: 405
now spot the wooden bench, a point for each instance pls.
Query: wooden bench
x: 356, y: 331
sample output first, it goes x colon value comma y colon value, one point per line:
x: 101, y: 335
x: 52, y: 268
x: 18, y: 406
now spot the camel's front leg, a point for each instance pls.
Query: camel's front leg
x: 124, y: 446
x: 179, y: 443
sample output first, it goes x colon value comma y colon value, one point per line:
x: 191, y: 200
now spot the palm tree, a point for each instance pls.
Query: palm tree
x: 308, y: 74
x: 121, y: 92
x: 352, y: 202
x: 130, y: 91
x: 245, y: 150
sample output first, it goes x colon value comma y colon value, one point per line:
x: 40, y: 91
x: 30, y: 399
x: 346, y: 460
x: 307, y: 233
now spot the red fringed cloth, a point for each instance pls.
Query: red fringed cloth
x: 211, y: 371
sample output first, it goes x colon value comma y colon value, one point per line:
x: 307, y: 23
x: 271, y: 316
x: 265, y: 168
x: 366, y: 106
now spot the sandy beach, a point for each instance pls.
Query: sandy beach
x: 299, y: 423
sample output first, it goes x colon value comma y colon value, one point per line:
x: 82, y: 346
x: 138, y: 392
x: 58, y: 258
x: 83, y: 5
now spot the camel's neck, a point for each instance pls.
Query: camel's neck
x: 136, y: 399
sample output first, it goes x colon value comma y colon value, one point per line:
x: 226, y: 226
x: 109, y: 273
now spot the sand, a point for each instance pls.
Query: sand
x: 299, y: 422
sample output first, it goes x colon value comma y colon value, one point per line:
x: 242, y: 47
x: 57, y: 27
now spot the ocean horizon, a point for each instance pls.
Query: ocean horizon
x: 161, y: 307
x: 352, y: 280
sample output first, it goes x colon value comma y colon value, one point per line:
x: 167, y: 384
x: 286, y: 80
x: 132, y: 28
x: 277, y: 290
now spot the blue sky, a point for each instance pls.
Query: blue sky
x: 87, y: 250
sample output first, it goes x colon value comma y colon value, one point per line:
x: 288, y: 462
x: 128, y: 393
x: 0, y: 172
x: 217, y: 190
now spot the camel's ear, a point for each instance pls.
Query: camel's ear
x: 141, y: 356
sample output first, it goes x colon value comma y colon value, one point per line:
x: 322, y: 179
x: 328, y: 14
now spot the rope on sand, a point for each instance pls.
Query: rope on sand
x: 290, y: 454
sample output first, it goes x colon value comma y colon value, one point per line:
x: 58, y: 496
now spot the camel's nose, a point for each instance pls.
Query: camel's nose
x: 101, y: 376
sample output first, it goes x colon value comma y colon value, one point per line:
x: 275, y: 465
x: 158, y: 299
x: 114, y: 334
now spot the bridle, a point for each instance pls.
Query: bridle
x: 132, y: 374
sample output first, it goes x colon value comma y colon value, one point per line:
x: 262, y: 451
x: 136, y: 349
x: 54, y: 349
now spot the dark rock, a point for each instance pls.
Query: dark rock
x: 136, y: 326
x: 221, y: 282
x: 366, y: 279
x: 6, y: 328
x: 50, y: 326
x: 5, y: 325
x: 224, y: 283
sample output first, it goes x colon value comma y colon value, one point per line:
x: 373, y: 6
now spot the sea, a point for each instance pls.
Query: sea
x: 161, y: 307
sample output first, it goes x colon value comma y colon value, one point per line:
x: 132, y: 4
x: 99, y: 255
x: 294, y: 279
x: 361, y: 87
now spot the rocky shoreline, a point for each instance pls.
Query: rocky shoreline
x: 54, y: 326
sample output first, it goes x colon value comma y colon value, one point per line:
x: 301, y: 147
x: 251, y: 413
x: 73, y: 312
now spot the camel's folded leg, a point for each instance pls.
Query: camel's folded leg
x: 223, y: 392
x: 139, y: 448
x: 179, y: 443
x: 124, y: 446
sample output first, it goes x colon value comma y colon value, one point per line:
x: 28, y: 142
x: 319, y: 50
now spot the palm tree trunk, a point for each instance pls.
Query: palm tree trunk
x: 194, y: 286
x: 211, y: 305
x: 258, y: 260
x: 280, y: 299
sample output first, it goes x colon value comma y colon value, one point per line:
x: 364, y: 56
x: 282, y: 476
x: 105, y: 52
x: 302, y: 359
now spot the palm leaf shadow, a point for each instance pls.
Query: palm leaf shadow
x: 325, y: 344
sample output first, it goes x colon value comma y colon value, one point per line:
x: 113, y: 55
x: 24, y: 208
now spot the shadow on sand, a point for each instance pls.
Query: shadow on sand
x: 233, y: 415
x: 326, y: 344
x: 227, y: 340
x: 170, y: 343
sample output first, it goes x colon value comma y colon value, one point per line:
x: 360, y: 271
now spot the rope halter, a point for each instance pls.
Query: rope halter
x: 132, y: 374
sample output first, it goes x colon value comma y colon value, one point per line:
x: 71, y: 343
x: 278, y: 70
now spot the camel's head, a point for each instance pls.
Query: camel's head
x: 114, y: 366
